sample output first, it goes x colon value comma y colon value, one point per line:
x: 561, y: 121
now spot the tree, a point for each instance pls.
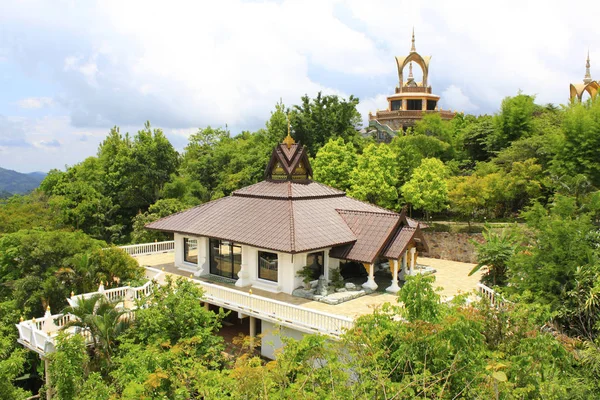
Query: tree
x: 427, y: 188
x: 162, y: 208
x: 104, y: 320
x: 578, y: 151
x: 515, y: 121
x: 494, y: 254
x: 317, y: 120
x: 375, y: 176
x: 334, y: 163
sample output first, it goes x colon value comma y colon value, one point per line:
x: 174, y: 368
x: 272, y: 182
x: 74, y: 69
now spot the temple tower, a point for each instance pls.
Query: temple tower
x: 411, y: 99
x: 576, y: 90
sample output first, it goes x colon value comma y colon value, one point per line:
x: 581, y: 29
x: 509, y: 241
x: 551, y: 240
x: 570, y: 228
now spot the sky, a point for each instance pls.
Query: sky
x: 71, y: 70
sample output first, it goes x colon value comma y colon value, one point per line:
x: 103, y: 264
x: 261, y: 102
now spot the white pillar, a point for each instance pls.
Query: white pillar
x: 370, y: 283
x: 403, y: 266
x: 412, y: 260
x: 252, y: 322
x: 394, y: 288
x: 243, y: 275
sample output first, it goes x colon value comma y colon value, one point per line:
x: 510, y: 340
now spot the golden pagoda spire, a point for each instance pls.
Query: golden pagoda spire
x: 289, y: 140
x: 412, y: 48
x: 588, y: 77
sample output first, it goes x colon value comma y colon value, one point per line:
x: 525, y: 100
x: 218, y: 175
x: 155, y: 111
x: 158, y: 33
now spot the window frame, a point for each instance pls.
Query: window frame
x: 186, y: 250
x: 229, y: 262
x: 260, y: 269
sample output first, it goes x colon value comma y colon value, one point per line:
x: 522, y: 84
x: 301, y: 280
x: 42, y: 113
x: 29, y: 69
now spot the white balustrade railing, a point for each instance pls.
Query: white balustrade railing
x: 299, y: 318
x: 494, y: 298
x: 149, y: 248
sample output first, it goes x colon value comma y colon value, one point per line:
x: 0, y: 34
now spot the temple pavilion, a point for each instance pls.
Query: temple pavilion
x: 577, y: 90
x: 262, y: 235
x: 410, y: 101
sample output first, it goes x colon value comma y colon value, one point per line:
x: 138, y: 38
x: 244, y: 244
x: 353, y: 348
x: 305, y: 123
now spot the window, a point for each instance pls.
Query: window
x: 396, y: 105
x: 315, y: 261
x: 225, y: 258
x: 190, y: 250
x: 431, y: 104
x: 414, y: 104
x: 267, y: 266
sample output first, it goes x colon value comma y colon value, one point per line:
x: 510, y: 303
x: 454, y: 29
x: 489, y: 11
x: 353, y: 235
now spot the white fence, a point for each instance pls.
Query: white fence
x: 488, y: 293
x: 39, y: 334
x: 302, y: 319
x: 149, y: 248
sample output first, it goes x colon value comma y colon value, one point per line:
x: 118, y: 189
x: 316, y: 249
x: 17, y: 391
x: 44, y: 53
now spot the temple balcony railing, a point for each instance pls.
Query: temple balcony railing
x: 278, y: 312
x: 40, y: 334
x: 150, y: 248
x: 416, y: 89
x: 412, y: 114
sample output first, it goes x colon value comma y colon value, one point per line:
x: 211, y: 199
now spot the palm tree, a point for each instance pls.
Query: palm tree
x: 102, y: 319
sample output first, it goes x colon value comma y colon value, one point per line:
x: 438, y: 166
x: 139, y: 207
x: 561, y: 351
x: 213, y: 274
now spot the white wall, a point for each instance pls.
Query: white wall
x: 271, y: 338
x: 288, y: 264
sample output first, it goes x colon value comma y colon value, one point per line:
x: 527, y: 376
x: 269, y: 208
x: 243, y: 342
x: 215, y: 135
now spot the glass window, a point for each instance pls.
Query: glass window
x: 316, y: 262
x: 431, y: 104
x: 414, y: 104
x: 396, y: 105
x: 190, y: 250
x: 225, y: 258
x: 267, y: 266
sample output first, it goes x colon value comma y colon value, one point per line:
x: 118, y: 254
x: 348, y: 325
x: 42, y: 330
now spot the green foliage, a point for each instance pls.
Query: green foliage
x: 335, y: 276
x: 26, y: 212
x: 514, y: 122
x: 176, y: 313
x: 578, y: 151
x: 494, y: 254
x: 427, y: 188
x: 420, y: 300
x: 334, y: 163
x: 316, y: 121
x: 374, y: 178
x: 162, y: 208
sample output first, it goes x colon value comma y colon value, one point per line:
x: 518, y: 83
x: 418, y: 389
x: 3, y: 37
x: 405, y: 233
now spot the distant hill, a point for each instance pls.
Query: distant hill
x: 13, y: 182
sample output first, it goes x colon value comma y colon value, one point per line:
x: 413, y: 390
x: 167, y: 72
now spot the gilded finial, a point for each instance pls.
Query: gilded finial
x: 72, y: 293
x: 250, y: 292
x: 48, y: 308
x: 413, y: 49
x: 22, y: 319
x: 289, y: 140
x: 588, y: 76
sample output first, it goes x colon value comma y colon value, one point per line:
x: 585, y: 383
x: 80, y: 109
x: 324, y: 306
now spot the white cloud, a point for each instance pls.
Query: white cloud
x: 185, y: 65
x: 35, y: 102
x: 454, y: 99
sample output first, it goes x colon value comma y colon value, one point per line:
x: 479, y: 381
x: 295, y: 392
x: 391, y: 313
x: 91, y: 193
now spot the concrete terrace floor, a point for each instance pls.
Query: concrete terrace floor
x: 451, y: 276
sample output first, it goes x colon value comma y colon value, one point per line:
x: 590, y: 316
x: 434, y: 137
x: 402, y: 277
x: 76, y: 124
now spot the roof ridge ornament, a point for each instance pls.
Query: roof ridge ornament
x: 588, y: 76
x: 289, y: 140
x: 412, y: 48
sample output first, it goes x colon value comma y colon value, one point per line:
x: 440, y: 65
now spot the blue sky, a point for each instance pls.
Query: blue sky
x: 70, y: 70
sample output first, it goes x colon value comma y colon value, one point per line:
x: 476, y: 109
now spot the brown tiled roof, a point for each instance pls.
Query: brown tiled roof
x: 372, y: 230
x: 288, y: 189
x: 399, y: 242
x: 264, y: 220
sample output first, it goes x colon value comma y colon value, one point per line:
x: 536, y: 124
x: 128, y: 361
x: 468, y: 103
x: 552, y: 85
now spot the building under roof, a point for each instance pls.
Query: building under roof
x: 263, y: 234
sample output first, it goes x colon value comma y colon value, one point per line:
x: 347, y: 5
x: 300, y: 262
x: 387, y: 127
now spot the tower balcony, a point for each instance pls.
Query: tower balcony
x: 409, y: 114
x: 416, y: 89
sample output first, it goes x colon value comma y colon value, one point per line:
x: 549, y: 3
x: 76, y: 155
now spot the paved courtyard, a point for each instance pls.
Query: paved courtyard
x: 451, y: 276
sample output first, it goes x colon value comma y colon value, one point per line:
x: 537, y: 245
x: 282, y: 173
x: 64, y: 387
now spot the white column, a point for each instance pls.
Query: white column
x: 243, y: 275
x: 394, y: 288
x: 403, y: 266
x: 252, y: 322
x: 370, y: 283
x: 203, y: 254
x: 412, y: 260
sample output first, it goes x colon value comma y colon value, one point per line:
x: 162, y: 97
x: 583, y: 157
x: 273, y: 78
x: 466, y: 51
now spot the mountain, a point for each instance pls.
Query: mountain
x: 13, y: 182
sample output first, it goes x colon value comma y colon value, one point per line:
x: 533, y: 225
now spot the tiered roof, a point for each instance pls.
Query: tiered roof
x: 297, y: 215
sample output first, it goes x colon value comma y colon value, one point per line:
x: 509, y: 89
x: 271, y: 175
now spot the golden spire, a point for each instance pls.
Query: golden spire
x: 410, y: 75
x: 412, y: 48
x: 289, y: 140
x: 588, y: 77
